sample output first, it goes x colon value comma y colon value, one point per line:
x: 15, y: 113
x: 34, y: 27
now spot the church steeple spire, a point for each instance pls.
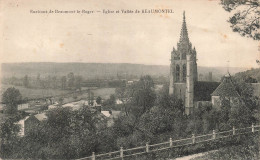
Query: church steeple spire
x: 184, y: 32
x: 183, y: 70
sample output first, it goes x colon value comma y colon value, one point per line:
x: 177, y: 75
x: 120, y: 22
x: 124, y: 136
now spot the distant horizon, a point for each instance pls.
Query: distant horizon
x: 122, y: 63
x: 94, y: 70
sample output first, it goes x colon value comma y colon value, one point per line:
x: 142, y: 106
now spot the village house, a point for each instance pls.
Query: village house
x: 111, y: 116
x: 30, y: 122
x: 226, y: 90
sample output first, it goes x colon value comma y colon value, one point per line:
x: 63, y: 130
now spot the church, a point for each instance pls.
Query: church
x: 184, y: 82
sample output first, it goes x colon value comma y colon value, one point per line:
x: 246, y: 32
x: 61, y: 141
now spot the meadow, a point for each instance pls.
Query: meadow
x: 32, y: 93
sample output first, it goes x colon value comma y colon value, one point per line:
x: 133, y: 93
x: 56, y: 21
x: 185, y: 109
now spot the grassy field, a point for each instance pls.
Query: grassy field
x: 31, y: 93
x: 104, y: 93
x: 34, y: 93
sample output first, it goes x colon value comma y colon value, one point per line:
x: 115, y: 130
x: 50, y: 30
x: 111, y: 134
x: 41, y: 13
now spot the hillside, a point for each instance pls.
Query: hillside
x: 87, y: 70
x: 100, y: 70
x: 253, y: 73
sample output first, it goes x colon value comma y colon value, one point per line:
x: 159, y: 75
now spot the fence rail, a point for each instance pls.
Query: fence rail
x: 172, y: 144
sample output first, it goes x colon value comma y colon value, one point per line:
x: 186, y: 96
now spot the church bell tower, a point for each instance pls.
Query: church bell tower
x: 183, y: 70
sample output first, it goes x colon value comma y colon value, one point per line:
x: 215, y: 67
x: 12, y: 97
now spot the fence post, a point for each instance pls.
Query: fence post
x: 147, y: 147
x: 93, y: 156
x: 253, y: 128
x: 214, y: 134
x: 234, y: 130
x: 170, y: 142
x: 193, y: 138
x: 121, y: 152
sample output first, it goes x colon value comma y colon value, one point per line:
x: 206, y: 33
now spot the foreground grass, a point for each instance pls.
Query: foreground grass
x: 248, y: 150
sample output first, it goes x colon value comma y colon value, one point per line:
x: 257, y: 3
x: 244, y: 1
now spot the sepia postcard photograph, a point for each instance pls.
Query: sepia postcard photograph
x: 129, y: 80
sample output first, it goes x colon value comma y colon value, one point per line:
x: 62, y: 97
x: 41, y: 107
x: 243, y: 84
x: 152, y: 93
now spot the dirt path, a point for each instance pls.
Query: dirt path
x: 193, y: 156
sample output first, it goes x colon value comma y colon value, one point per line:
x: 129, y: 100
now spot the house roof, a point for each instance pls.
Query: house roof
x: 32, y: 118
x: 22, y: 120
x: 41, y: 116
x: 226, y: 88
x: 106, y: 113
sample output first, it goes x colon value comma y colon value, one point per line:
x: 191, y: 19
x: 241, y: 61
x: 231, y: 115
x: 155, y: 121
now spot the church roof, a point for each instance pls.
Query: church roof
x: 184, y: 31
x: 226, y: 88
x: 202, y: 90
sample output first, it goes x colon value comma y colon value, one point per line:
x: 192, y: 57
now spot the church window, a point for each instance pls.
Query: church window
x: 177, y: 73
x: 184, y: 72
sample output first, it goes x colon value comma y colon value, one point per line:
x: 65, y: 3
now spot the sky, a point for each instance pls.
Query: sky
x: 117, y: 37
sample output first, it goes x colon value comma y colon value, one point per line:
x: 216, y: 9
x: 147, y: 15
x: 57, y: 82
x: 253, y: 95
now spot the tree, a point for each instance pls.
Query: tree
x: 65, y: 134
x: 165, y: 100
x: 11, y: 98
x: 63, y: 82
x: 253, y: 73
x: 144, y: 95
x: 54, y: 82
x: 71, y: 80
x: 60, y: 100
x: 240, y: 111
x: 210, y: 120
x: 90, y: 98
x: 241, y: 116
x: 258, y: 62
x: 245, y: 21
x: 124, y: 96
x: 112, y: 99
x: 110, y: 102
x: 250, y: 104
x: 165, y: 117
x: 99, y: 100
x: 78, y: 81
x: 138, y: 97
x: 38, y: 77
x: 38, y: 80
x: 224, y: 115
x: 249, y: 79
x: 48, y: 82
x: 9, y: 138
x: 26, y: 81
x: 13, y: 79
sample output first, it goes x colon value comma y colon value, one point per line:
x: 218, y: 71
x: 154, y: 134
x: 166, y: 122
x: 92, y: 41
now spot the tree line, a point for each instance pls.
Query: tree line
x: 70, y: 81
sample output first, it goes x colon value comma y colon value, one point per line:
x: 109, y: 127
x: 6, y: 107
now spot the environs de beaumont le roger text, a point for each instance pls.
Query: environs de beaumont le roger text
x: 104, y: 11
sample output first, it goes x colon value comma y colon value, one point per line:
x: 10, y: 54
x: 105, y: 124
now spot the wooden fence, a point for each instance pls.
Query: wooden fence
x: 172, y: 144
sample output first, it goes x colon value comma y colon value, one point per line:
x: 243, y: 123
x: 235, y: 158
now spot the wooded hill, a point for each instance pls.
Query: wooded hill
x: 101, y: 70
x: 253, y: 73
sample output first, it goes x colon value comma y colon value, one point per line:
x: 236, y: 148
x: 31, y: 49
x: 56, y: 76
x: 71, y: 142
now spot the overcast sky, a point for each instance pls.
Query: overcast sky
x: 120, y: 38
